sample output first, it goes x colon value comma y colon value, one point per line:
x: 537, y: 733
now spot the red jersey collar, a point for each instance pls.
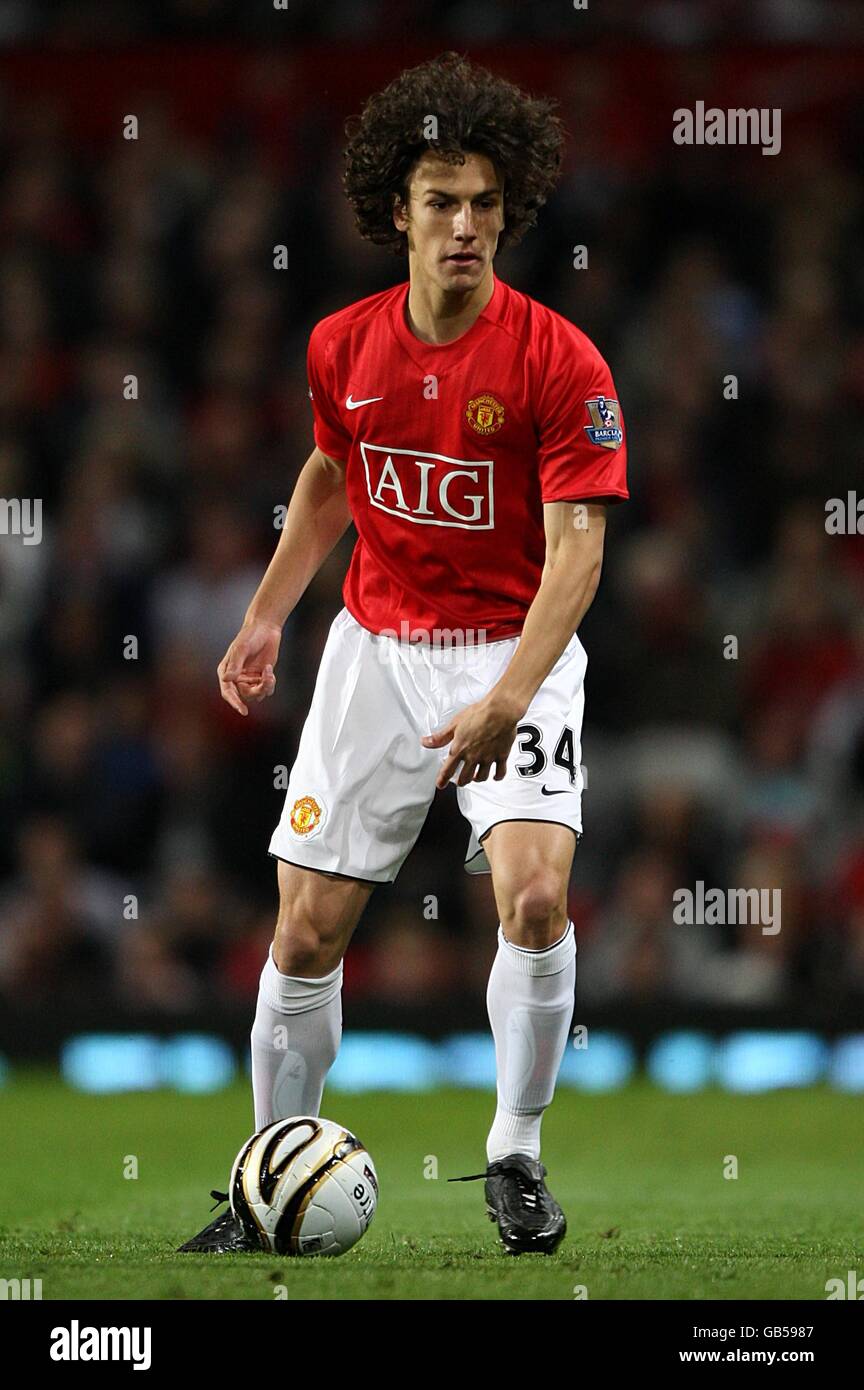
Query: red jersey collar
x: 421, y: 351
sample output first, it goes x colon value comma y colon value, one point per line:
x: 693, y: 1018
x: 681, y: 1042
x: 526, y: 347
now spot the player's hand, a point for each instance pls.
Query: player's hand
x: 247, y: 670
x: 480, y: 737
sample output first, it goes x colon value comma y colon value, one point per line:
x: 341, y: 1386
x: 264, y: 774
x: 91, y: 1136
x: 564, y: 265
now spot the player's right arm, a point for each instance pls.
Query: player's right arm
x: 318, y: 516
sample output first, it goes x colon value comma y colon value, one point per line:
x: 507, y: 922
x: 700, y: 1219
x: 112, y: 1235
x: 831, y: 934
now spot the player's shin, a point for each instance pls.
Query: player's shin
x: 530, y: 1001
x: 295, y: 1038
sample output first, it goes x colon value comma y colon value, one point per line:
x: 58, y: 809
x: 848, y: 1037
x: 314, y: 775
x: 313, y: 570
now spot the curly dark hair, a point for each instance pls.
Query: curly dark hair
x: 477, y: 113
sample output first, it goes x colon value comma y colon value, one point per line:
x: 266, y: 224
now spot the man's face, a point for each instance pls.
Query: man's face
x: 454, y: 217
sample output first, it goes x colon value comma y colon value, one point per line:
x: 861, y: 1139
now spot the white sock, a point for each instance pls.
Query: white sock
x: 295, y: 1038
x: 530, y: 1001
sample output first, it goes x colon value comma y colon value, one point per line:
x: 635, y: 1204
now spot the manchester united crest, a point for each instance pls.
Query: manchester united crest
x: 485, y: 414
x: 306, y: 815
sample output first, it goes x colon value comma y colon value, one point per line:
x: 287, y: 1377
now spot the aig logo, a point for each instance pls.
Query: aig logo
x: 430, y: 489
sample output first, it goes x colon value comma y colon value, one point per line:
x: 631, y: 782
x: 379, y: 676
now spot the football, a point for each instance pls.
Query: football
x: 304, y: 1186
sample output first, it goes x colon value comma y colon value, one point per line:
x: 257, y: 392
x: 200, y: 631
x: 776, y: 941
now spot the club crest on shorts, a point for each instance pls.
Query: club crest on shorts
x: 306, y: 816
x: 605, y: 428
x: 485, y: 414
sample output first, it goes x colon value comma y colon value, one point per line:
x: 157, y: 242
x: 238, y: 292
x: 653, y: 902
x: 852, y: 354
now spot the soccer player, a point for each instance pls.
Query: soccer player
x: 475, y: 439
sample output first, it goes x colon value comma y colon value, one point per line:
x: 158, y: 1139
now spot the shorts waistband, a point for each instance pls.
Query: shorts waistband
x: 442, y: 643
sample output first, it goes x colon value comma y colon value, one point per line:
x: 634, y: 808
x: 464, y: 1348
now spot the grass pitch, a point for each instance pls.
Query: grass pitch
x: 639, y: 1174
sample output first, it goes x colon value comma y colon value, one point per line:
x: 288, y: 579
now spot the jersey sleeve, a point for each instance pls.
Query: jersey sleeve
x: 329, y: 432
x: 582, y: 450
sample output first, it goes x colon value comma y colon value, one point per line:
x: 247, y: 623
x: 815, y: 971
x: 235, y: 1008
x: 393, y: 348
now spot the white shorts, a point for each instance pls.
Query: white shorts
x: 362, y: 783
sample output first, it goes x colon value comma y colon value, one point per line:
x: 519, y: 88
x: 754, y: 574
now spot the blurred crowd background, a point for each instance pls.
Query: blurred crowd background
x: 136, y: 807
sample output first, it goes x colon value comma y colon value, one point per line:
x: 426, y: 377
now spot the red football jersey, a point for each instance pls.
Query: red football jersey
x: 452, y: 450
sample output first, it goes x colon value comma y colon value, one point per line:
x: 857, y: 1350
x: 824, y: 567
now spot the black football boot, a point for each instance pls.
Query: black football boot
x: 529, y: 1219
x: 224, y: 1235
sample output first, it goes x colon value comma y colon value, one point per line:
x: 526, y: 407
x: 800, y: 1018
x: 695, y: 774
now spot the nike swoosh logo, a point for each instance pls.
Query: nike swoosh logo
x: 351, y: 404
x: 546, y: 792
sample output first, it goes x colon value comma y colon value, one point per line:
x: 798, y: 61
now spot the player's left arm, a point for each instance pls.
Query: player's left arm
x: 575, y: 532
x: 482, y: 735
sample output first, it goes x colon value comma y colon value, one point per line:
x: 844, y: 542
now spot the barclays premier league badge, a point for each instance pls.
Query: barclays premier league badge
x: 605, y: 428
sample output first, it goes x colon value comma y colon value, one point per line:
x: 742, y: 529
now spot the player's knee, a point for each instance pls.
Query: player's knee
x: 302, y: 945
x: 298, y: 949
x: 535, y: 909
